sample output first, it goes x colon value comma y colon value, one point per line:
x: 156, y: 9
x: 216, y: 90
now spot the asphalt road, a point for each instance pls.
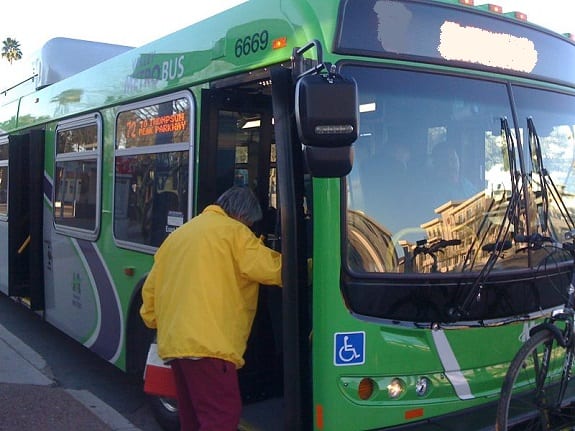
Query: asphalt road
x: 75, y: 367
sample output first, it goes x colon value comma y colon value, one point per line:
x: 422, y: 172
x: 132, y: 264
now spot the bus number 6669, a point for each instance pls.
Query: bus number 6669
x: 251, y: 44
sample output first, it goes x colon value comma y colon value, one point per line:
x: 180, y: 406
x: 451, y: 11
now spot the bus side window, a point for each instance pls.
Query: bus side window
x: 76, y: 182
x: 152, y: 171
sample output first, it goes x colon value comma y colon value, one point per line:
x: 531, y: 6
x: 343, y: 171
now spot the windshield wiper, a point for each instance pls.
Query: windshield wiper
x: 511, y: 218
x: 517, y: 189
x: 546, y: 184
x: 538, y: 169
x: 512, y: 211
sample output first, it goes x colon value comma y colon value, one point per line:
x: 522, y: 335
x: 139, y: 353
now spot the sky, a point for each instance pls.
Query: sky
x: 121, y: 22
x: 124, y: 22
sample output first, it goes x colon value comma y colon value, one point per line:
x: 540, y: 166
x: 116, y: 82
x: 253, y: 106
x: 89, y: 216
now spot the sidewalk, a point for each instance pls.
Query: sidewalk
x: 31, y: 399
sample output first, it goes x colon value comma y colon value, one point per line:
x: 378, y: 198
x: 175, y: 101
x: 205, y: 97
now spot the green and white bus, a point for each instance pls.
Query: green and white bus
x: 400, y: 149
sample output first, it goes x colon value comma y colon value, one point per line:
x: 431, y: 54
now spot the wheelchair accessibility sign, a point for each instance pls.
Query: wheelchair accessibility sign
x: 349, y: 348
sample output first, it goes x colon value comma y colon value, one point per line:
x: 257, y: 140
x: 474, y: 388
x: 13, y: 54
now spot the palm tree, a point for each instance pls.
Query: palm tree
x: 11, y: 50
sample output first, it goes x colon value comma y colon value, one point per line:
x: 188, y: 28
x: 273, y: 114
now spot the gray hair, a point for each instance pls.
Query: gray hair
x: 241, y: 204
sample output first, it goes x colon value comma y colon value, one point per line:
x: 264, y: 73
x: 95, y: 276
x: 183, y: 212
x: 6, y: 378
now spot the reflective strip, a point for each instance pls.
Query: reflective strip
x: 451, y: 366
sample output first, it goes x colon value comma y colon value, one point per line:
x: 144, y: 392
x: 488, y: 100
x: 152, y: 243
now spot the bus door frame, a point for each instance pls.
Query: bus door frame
x: 26, y: 217
x: 214, y: 101
x: 229, y: 98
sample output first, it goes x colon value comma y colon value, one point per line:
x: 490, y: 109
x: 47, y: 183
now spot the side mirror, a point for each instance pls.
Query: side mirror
x: 327, y: 118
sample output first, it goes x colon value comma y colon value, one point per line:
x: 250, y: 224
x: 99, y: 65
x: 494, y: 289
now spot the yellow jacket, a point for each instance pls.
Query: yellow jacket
x: 202, y: 291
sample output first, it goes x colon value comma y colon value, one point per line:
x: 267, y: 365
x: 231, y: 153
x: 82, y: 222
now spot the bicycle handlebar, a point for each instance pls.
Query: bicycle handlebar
x: 442, y: 243
x: 499, y: 246
x: 537, y: 240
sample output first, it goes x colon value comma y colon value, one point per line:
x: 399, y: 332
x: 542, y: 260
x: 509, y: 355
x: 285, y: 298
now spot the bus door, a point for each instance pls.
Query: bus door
x: 4, y: 215
x: 237, y: 148
x: 25, y: 217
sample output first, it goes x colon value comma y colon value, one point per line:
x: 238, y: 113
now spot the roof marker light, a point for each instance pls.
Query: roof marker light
x: 517, y: 15
x: 467, y: 2
x: 570, y: 36
x: 491, y: 7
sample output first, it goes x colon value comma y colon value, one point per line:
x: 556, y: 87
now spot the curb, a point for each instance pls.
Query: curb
x: 35, y: 371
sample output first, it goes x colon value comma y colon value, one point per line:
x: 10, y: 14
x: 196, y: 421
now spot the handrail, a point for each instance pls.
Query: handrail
x: 6, y: 90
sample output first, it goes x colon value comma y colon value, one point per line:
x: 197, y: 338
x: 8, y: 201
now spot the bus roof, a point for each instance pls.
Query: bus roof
x: 62, y: 57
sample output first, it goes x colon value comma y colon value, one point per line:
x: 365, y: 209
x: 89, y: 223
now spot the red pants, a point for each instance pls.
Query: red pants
x: 208, y: 394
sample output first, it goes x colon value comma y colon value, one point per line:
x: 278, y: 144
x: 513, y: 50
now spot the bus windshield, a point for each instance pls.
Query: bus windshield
x: 432, y: 167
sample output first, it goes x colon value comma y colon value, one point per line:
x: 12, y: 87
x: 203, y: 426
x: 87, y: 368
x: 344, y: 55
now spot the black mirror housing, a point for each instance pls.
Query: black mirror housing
x: 327, y: 117
x: 327, y: 110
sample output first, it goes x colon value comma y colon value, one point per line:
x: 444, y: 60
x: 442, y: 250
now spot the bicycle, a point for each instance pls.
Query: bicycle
x: 534, y: 389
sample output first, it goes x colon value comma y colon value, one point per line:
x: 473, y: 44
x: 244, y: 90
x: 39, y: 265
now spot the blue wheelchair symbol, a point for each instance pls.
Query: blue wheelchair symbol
x: 349, y: 348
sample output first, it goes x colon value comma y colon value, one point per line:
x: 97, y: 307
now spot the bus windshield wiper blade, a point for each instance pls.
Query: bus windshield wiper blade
x: 501, y: 243
x: 546, y: 184
x: 538, y: 169
x: 515, y: 174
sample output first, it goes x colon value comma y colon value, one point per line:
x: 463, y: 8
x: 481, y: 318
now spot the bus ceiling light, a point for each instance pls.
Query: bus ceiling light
x: 395, y: 388
x: 251, y: 124
x: 367, y: 107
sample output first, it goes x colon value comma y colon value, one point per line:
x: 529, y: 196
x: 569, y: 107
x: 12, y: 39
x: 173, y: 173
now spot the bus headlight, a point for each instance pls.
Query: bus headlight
x: 422, y: 386
x: 395, y: 388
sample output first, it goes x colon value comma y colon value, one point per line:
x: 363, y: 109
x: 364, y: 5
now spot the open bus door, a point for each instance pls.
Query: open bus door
x: 25, y: 217
x: 238, y: 149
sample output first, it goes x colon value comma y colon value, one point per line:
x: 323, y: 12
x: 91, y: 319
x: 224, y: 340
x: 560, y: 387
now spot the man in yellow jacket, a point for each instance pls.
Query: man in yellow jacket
x: 201, y: 295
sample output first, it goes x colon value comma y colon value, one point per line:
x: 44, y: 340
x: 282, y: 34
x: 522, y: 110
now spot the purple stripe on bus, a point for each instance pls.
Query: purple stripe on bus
x: 108, y: 339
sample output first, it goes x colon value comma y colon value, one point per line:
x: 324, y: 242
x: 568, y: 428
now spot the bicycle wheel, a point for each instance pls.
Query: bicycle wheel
x: 530, y: 391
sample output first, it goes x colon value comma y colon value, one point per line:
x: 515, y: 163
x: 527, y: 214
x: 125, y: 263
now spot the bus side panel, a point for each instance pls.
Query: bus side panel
x: 70, y: 301
x: 79, y: 292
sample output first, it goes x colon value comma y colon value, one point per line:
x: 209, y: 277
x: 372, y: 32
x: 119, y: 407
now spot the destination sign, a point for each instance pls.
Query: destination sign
x: 164, y: 123
x: 458, y: 35
x: 152, y: 126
